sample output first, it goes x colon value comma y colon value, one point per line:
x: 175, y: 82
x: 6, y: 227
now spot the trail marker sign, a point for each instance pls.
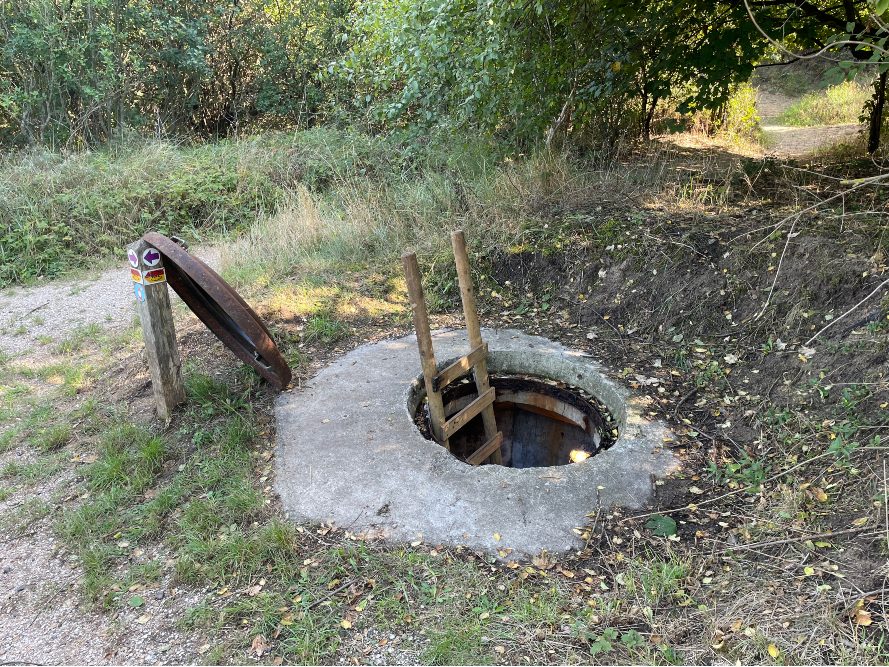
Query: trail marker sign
x: 151, y: 257
x: 158, y: 332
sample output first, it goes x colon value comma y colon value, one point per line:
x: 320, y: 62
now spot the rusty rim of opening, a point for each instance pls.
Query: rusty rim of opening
x: 223, y: 310
x: 589, y: 405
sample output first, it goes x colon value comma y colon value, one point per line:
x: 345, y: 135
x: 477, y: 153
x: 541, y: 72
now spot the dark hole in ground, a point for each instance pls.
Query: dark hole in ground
x: 543, y: 424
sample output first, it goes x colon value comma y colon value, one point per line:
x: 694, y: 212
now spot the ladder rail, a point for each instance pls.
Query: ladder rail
x: 473, y: 329
x: 424, y: 343
x: 476, y: 360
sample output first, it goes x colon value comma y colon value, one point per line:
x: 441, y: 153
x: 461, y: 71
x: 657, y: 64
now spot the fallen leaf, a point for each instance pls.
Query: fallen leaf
x: 259, y: 645
x: 543, y: 561
x: 695, y: 490
x: 662, y: 526
x: 862, y: 617
x: 136, y: 601
x: 860, y: 522
x: 820, y: 494
x: 773, y: 651
x: 143, y: 619
x: 346, y: 623
x: 496, y: 537
x: 500, y: 649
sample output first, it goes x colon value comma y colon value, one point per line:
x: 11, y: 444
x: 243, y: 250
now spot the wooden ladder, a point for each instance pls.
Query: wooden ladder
x: 476, y: 360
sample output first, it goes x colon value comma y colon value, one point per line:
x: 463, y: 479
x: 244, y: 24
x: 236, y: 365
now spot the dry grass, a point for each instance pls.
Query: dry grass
x: 358, y: 221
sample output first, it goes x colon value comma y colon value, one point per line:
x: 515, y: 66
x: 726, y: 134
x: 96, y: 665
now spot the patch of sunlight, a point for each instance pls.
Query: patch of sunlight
x: 578, y: 455
x: 301, y: 300
x: 397, y: 289
x: 366, y: 306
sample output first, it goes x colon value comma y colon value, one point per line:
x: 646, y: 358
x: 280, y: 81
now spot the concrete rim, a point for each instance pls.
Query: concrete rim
x: 374, y: 473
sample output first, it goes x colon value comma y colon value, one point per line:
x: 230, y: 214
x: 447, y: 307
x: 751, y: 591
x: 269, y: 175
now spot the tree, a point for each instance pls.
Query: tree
x: 79, y: 71
x: 520, y: 67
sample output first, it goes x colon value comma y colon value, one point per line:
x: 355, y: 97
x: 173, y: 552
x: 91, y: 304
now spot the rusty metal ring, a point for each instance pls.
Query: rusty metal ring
x: 223, y: 310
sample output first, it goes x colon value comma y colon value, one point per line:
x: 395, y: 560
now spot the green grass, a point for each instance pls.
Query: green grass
x: 324, y: 328
x: 838, y: 105
x: 39, y: 470
x: 52, y: 438
x: 78, y: 338
x: 202, y: 508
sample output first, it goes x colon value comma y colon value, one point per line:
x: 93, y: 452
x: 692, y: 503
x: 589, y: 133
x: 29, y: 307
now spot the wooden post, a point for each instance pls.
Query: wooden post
x: 467, y: 295
x: 424, y: 343
x: 149, y: 280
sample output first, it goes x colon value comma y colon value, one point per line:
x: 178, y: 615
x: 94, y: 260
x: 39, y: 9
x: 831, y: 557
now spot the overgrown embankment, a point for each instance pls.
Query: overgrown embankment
x: 58, y: 210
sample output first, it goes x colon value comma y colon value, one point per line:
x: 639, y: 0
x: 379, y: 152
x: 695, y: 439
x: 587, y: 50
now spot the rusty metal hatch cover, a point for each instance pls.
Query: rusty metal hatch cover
x: 223, y: 310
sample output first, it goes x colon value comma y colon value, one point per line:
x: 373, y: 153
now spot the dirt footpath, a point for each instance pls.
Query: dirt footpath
x: 792, y: 142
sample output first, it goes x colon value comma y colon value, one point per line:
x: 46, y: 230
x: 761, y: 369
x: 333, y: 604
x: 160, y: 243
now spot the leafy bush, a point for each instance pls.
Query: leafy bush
x: 741, y: 118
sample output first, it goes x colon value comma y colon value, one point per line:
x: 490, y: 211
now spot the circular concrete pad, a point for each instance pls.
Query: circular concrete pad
x: 349, y: 453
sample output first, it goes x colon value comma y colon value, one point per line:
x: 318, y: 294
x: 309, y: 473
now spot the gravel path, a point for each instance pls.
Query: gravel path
x: 44, y: 620
x: 43, y: 616
x: 792, y: 142
x: 33, y: 317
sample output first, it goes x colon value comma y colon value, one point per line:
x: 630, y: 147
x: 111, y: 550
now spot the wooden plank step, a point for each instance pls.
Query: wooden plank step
x: 463, y: 417
x: 486, y: 450
x: 459, y: 367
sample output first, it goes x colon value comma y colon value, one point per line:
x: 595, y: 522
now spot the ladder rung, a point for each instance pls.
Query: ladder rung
x: 486, y: 449
x: 459, y: 367
x: 463, y: 417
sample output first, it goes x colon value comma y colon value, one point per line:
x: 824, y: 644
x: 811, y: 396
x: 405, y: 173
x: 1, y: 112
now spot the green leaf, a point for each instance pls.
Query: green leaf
x: 662, y: 526
x: 136, y: 601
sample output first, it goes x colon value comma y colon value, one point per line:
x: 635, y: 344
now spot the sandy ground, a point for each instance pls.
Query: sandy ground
x: 34, y: 317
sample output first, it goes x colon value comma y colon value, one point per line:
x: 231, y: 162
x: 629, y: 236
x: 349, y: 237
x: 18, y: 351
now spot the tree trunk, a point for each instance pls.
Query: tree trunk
x: 561, y: 121
x: 649, y: 117
x: 876, y: 115
x: 646, y: 125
